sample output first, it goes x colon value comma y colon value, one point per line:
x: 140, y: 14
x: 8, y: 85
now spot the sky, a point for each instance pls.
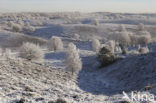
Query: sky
x: 123, y: 6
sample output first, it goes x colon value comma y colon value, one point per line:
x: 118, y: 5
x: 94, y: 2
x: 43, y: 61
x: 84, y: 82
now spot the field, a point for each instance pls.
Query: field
x: 77, y: 57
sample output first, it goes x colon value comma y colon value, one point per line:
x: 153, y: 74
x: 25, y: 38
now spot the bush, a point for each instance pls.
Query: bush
x: 55, y: 44
x: 73, y: 60
x: 122, y: 37
x: 144, y: 39
x: 10, y: 23
x: 29, y: 29
x: 144, y: 50
x: 134, y: 39
x: 124, y: 51
x: 31, y: 51
x: 141, y: 27
x: 96, y: 22
x: 133, y: 52
x: 122, y: 28
x: 16, y: 28
x: 111, y: 45
x: 76, y: 36
x: 106, y: 57
x: 60, y: 100
x: 96, y: 45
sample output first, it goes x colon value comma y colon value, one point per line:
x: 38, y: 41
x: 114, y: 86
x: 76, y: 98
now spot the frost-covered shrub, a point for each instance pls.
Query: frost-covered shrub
x: 17, y: 28
x: 133, y: 52
x: 121, y: 37
x: 141, y: 27
x: 10, y: 23
x: 134, y: 39
x: 55, y: 44
x: 73, y: 60
x: 144, y: 50
x: 96, y: 45
x: 76, y: 36
x: 111, y: 45
x: 106, y: 57
x: 31, y: 51
x: 124, y: 51
x: 144, y: 39
x: 20, y: 22
x: 29, y: 29
x: 96, y: 22
x: 122, y: 28
x: 118, y: 49
x: 38, y: 23
x: 27, y: 24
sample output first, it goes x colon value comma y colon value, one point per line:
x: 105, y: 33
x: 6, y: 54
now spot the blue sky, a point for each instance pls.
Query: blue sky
x: 134, y: 6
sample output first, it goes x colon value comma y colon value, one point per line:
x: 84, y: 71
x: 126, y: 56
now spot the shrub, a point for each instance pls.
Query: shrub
x: 144, y: 39
x: 16, y: 28
x: 27, y: 24
x: 60, y: 100
x: 134, y: 39
x: 10, y: 23
x: 133, y: 52
x: 73, y: 60
x: 111, y: 45
x: 141, y: 27
x: 29, y: 29
x: 144, y: 50
x: 55, y: 44
x: 76, y: 36
x: 31, y: 51
x: 96, y: 22
x: 106, y: 57
x: 7, y: 53
x: 122, y: 28
x: 121, y: 37
x: 124, y: 51
x: 96, y: 45
x: 20, y: 22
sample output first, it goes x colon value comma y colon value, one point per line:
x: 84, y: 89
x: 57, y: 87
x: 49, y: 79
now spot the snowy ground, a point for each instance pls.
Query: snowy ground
x: 48, y: 81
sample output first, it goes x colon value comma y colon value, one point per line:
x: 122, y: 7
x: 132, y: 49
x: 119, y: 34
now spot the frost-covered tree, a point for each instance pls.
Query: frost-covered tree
x: 16, y: 28
x: 55, y: 44
x: 141, y: 27
x: 31, y: 51
x: 96, y: 22
x: 122, y: 37
x: 111, y: 45
x: 76, y: 36
x: 144, y: 39
x: 122, y: 28
x: 29, y: 29
x: 96, y: 45
x: 7, y: 53
x: 10, y: 23
x: 27, y: 24
x: 73, y: 60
